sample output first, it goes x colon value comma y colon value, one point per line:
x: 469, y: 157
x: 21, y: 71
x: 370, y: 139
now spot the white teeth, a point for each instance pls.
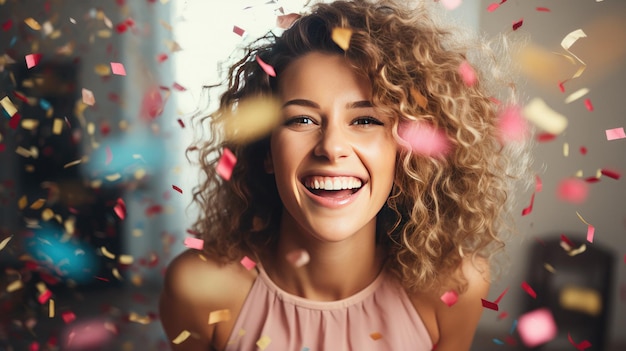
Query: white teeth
x: 332, y: 183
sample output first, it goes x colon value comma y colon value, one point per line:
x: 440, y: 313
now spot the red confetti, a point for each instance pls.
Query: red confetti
x: 566, y: 240
x: 68, y: 316
x: 181, y: 123
x: 581, y: 346
x: 492, y: 7
x: 22, y: 97
x: 449, y: 298
x: 32, y: 60
x: 562, y: 86
x: 592, y: 180
x: 467, y: 73
x: 543, y: 9
x: 178, y: 87
x: 583, y: 150
x: 15, y: 121
x: 518, y: 24
x: 611, y: 174
x: 588, y: 105
x: 102, y: 279
x: 153, y: 210
x: 44, y: 297
x: 544, y: 137
x: 573, y: 190
x: 238, y: 30
x: 34, y: 346
x: 226, y: 164
x: 118, y: 69
x: 503, y: 315
x: 529, y: 209
x: 121, y: 28
x: 266, y: 68
x: 7, y: 25
x: 529, y: 290
x: 177, y: 189
x: 489, y: 305
x: 161, y: 58
x: 2, y: 147
x: 538, y: 184
x: 120, y: 209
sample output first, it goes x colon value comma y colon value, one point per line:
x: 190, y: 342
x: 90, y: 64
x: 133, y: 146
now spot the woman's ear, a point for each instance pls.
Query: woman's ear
x: 268, y: 163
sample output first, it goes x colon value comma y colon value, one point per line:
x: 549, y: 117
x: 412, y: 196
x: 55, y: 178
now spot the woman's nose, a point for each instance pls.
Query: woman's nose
x: 333, y: 143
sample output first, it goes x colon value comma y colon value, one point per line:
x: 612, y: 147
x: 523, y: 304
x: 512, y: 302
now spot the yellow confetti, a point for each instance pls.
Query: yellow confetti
x: 582, y: 248
x: 8, y: 106
x: 116, y: 274
x: 113, y: 177
x: 181, y: 337
x: 73, y: 163
x: 376, y: 336
x: 576, y: 95
x: 263, y: 342
x: 107, y: 253
x: 30, y: 124
x: 5, y: 241
x: 219, y: 316
x: 581, y: 218
x: 565, y: 149
x: 419, y: 98
x: 37, y: 204
x: 14, y: 286
x: 544, y: 117
x: 126, y: 259
x: 341, y: 37
x: 34, y: 25
x: 57, y: 126
x: 51, y: 308
x: 579, y: 173
x: 136, y: 280
x: 549, y: 268
x: 172, y: 45
x: 22, y: 202
x: 134, y: 317
x: 70, y: 226
x: 567, y: 42
x: 252, y: 119
x: 102, y: 70
x: 41, y: 287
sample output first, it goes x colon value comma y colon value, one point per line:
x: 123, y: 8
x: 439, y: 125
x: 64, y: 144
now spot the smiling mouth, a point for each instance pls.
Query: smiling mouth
x: 333, y: 187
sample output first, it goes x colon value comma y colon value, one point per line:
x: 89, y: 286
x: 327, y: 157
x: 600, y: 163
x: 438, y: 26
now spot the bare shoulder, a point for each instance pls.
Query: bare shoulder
x: 453, y: 327
x: 194, y: 286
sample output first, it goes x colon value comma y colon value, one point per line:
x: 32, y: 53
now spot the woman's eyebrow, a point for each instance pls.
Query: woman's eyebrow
x: 309, y: 103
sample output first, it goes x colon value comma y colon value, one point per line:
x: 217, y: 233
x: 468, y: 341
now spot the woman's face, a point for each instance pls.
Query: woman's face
x: 333, y: 155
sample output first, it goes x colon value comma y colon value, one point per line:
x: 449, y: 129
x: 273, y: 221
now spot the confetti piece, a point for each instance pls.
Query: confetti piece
x: 451, y: 4
x: 298, y: 258
x: 8, y: 106
x: 529, y: 290
x: 44, y: 296
x: 88, y: 97
x: 5, y: 241
x: 118, y: 68
x: 529, y: 209
x: 567, y: 42
x: 247, y: 262
x: 106, y: 253
x: 588, y: 105
x: 376, y: 336
x: 177, y: 189
x: 68, y: 316
x: 581, y: 346
x: 181, y: 337
x: 573, y: 190
x: 542, y: 9
x: 538, y: 112
x: 252, y: 119
x: 266, y: 68
x: 34, y: 346
x: 467, y: 73
x: 517, y: 24
x: 419, y: 98
x: 492, y: 7
x: 545, y: 137
x: 73, y: 163
x: 120, y: 208
x: 449, y: 298
x: 489, y: 305
x: 14, y: 286
x: 32, y: 60
x: 126, y: 259
x: 32, y: 23
x: 512, y: 125
x: 51, y: 308
x: 611, y: 174
x: 576, y: 95
x: 194, y: 243
x: 341, y: 36
x: 226, y: 164
x: 615, y: 133
x: 537, y: 327
x: 239, y: 31
x: 285, y: 21
x: 219, y: 316
x: 423, y: 139
x: 498, y: 341
x: 263, y: 342
x: 181, y: 123
x: 590, y: 233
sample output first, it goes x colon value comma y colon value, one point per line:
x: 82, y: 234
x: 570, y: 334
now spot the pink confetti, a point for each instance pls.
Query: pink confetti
x: 161, y: 58
x: 588, y: 105
x: 518, y: 24
x: 611, y: 174
x: 88, y: 97
x: 194, y: 243
x: 492, y: 7
x: 581, y: 346
x: 267, y: 68
x: 68, y: 316
x: 118, y: 68
x: 590, y: 233
x: 32, y: 60
x: 573, y: 190
x: 512, y: 125
x: 615, y: 133
x: 536, y: 327
x: 120, y: 209
x: 529, y: 209
x: 152, y: 104
x: 583, y: 150
x: 285, y: 21
x: 179, y: 87
x: 226, y: 164
x: 177, y: 189
x: 538, y: 184
x: 239, y: 31
x: 247, y: 262
x: 451, y: 4
x: 529, y: 290
x: 449, y: 298
x: 467, y: 73
x: 545, y: 137
x: 423, y: 138
x: 44, y: 297
x: 34, y: 346
x: 109, y: 157
x: 543, y: 9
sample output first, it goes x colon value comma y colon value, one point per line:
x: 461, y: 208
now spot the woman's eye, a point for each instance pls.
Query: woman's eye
x: 367, y: 121
x: 299, y: 120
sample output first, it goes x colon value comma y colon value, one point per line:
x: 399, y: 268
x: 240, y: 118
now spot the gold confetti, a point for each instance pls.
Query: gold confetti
x: 165, y: 25
x: 34, y: 25
x: 219, y: 316
x: 106, y: 253
x: 8, y: 106
x: 5, y: 241
x: 102, y: 70
x: 14, y: 286
x: 576, y: 95
x: 22, y: 202
x: 113, y: 177
x: 134, y: 317
x: 126, y: 259
x: 104, y: 33
x: 181, y: 337
x: 580, y: 299
x: 73, y: 163
x: 116, y: 274
x: 539, y: 113
x: 549, y: 268
x: 263, y: 342
x: 419, y: 98
x: 567, y: 42
x: 581, y: 218
x: 37, y: 204
x: 376, y: 336
x: 41, y: 287
x: 577, y: 251
x: 70, y: 225
x: 252, y: 119
x: 30, y: 124
x: 565, y: 149
x: 136, y: 280
x: 57, y: 126
x: 51, y: 308
x: 341, y: 37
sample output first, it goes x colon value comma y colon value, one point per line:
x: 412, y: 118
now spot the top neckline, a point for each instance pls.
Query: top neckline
x: 321, y: 305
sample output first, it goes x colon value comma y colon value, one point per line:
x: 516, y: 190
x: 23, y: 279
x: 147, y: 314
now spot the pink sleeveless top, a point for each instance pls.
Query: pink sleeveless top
x: 379, y: 317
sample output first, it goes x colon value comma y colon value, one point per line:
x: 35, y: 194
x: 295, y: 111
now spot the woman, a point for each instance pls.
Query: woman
x: 361, y: 239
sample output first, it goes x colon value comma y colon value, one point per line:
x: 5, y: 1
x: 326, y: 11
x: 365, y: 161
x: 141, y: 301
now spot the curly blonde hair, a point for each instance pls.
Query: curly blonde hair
x: 441, y: 208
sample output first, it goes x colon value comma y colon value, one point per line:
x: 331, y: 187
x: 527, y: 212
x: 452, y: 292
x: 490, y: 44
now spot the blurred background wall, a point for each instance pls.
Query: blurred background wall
x: 94, y: 192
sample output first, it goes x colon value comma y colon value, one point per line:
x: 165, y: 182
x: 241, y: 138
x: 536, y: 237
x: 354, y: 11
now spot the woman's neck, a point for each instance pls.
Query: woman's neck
x: 335, y: 270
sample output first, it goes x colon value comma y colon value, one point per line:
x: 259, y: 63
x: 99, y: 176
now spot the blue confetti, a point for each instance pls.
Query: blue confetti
x: 44, y: 104
x: 13, y: 41
x: 498, y: 341
x: 513, y: 327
